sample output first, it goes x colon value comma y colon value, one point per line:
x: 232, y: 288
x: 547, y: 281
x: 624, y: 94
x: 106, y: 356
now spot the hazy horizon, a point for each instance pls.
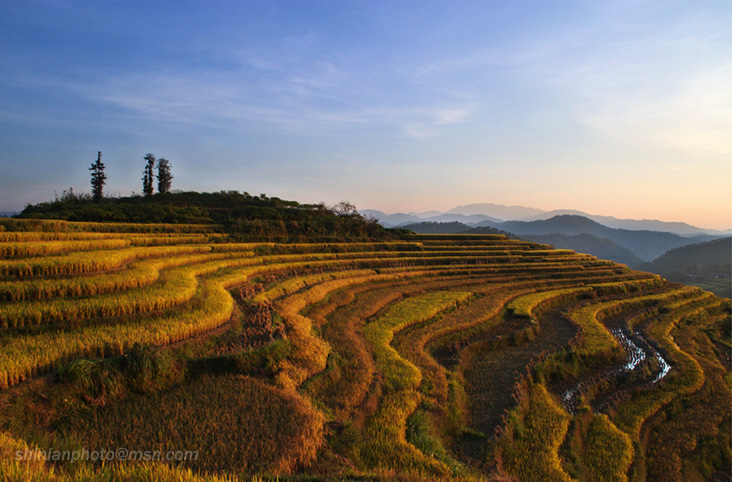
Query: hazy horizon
x: 428, y: 213
x: 619, y: 109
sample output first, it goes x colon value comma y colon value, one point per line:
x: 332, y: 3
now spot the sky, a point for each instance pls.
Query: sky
x: 619, y: 108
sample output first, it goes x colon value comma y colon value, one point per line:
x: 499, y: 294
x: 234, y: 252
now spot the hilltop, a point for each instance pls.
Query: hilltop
x: 241, y: 215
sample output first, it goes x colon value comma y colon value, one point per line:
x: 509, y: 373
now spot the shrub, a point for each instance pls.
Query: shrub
x: 97, y: 380
x: 149, y: 368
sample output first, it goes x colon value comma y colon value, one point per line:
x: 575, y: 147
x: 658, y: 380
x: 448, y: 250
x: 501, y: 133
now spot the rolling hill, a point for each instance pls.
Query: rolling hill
x: 603, y: 248
x: 682, y: 229
x: 241, y: 215
x: 578, y: 233
x: 646, y: 245
x: 432, y: 227
x: 707, y: 265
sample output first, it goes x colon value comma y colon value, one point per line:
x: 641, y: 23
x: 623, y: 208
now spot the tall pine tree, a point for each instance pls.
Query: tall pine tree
x: 148, y: 175
x: 98, y: 178
x: 165, y: 178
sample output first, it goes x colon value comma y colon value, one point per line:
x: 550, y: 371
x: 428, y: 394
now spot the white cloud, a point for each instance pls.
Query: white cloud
x: 428, y: 122
x: 451, y: 116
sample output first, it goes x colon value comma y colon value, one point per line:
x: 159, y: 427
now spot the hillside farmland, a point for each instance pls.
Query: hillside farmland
x: 438, y: 357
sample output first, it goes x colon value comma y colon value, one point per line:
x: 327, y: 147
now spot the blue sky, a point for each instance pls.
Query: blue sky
x: 614, y: 108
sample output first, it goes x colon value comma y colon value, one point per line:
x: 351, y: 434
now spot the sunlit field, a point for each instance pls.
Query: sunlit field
x: 443, y: 357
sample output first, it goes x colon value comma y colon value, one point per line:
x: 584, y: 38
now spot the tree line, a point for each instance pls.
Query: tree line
x: 149, y: 175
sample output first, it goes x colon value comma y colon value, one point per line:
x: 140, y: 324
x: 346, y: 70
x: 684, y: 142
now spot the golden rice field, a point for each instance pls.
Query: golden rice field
x: 438, y: 357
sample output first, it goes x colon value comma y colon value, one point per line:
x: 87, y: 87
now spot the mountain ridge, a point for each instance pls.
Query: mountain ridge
x: 645, y: 244
x: 500, y: 211
x: 631, y: 247
x: 485, y: 214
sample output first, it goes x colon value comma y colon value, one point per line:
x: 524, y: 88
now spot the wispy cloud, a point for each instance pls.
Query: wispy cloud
x: 695, y: 116
x: 428, y: 123
x: 451, y: 116
x: 668, y: 86
x: 313, y: 97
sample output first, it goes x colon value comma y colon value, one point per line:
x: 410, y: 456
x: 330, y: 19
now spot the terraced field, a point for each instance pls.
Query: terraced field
x: 434, y: 358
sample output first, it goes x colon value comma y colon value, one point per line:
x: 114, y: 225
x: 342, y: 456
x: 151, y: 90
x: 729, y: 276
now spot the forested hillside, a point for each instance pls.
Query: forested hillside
x: 708, y: 265
x: 241, y: 215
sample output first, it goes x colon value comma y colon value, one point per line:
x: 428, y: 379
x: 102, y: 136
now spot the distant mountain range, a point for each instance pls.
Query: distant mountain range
x: 627, y: 241
x: 581, y: 234
x: 487, y: 214
x: 702, y: 260
x: 454, y: 227
x: 631, y: 247
x: 498, y: 211
x: 602, y: 248
x: 401, y: 219
x: 645, y: 244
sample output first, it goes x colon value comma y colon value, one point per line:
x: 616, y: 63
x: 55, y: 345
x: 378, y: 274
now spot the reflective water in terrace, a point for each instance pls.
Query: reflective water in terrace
x: 635, y: 355
x: 665, y: 367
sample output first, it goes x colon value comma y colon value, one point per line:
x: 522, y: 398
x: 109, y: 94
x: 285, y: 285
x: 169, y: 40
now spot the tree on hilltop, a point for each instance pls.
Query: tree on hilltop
x: 148, y: 175
x: 98, y: 178
x: 345, y: 208
x: 165, y: 178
